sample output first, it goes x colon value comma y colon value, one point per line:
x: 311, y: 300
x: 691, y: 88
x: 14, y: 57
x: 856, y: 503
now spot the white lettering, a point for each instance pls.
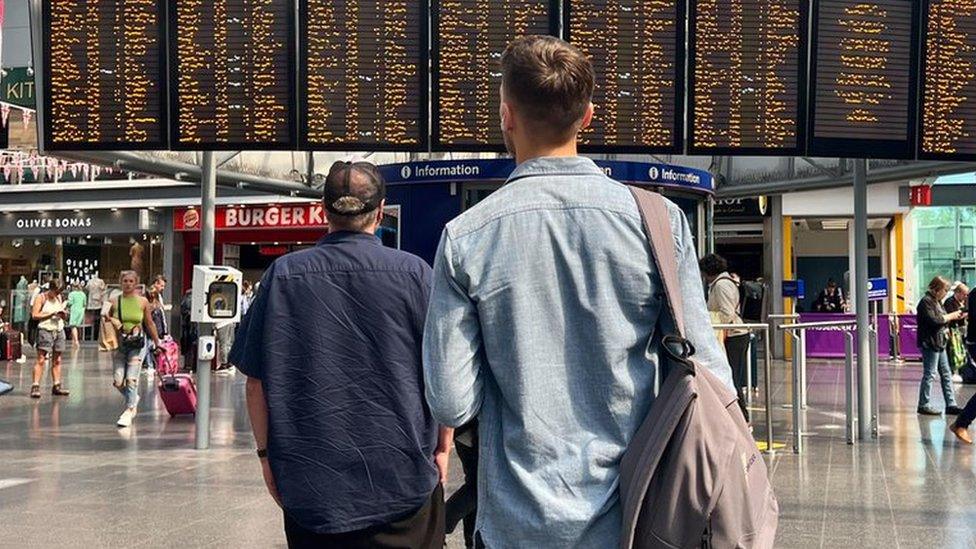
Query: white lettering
x: 447, y: 171
x: 317, y: 215
x: 299, y: 216
x: 286, y: 216
x: 230, y: 217
x: 257, y: 218
x: 273, y: 217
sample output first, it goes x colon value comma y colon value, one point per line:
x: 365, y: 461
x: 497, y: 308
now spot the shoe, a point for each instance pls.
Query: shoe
x: 953, y: 410
x: 35, y: 391
x: 961, y: 433
x: 57, y: 390
x: 956, y: 378
x: 22, y: 359
x: 125, y: 420
x: 929, y: 412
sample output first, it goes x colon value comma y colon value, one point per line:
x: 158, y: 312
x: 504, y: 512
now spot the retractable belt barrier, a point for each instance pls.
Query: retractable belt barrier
x: 767, y: 369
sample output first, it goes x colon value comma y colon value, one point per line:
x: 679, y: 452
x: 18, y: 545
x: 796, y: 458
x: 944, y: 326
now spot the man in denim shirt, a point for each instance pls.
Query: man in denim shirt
x: 546, y: 318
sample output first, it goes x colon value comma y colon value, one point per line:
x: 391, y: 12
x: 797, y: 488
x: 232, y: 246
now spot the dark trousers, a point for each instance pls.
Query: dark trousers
x: 421, y: 530
x: 463, y: 504
x: 737, y: 349
x: 968, y: 414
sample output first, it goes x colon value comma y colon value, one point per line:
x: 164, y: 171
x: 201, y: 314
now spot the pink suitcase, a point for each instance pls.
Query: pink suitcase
x: 179, y: 394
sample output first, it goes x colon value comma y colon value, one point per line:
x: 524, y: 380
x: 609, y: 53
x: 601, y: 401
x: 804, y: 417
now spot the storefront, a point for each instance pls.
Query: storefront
x: 76, y: 245
x: 430, y: 194
x: 250, y: 237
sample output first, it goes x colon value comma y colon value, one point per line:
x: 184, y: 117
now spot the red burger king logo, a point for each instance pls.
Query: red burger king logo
x: 191, y: 219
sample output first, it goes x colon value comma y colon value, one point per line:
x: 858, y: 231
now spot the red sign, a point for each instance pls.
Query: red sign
x: 920, y: 195
x: 273, y: 251
x: 286, y: 216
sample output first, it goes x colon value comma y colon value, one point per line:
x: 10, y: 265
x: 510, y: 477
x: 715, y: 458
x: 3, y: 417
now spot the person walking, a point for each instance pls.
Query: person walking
x: 48, y: 311
x: 77, y: 301
x: 932, y: 322
x: 547, y: 315
x: 131, y: 315
x: 723, y: 299
x: 331, y: 349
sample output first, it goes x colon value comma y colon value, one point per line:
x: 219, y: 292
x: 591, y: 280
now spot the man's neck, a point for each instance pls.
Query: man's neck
x: 528, y: 152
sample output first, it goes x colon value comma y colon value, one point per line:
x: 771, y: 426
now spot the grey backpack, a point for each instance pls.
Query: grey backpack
x: 692, y: 476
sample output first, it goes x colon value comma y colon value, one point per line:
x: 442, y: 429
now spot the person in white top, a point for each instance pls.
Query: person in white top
x: 49, y: 312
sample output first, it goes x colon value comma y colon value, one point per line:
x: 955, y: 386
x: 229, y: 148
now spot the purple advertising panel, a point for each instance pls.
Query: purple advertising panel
x: 828, y: 342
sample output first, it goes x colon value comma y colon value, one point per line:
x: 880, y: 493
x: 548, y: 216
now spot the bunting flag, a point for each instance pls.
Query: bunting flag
x: 4, y: 113
x: 27, y: 118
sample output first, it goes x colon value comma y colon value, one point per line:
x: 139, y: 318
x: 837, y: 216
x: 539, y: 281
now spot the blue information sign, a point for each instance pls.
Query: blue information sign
x: 794, y: 288
x: 877, y: 288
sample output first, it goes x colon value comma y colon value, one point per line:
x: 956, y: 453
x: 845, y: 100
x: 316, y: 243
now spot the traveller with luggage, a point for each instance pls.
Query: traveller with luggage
x: 49, y: 312
x: 131, y: 315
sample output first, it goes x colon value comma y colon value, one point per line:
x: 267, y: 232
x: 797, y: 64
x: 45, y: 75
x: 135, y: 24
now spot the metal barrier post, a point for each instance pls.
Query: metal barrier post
x: 802, y: 352
x: 850, y: 417
x: 797, y: 383
x: 875, y: 407
x: 749, y: 352
x: 767, y: 385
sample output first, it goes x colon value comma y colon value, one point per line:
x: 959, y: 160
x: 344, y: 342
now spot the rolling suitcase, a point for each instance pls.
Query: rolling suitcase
x: 179, y: 394
x: 10, y: 345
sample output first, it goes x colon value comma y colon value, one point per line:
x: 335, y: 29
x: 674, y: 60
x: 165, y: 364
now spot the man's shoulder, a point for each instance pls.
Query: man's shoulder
x: 324, y: 257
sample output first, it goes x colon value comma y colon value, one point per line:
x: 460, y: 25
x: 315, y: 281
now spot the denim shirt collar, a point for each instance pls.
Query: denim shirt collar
x: 550, y: 165
x: 347, y: 236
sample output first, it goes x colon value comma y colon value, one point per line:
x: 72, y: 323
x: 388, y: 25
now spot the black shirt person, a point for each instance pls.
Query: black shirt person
x: 335, y: 391
x: 830, y: 299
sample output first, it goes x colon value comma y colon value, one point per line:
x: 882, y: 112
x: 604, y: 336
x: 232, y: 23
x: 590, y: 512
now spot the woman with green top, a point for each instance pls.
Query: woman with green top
x: 77, y: 300
x: 131, y: 315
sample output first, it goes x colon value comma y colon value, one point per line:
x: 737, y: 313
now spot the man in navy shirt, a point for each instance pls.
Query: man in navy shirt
x: 335, y: 390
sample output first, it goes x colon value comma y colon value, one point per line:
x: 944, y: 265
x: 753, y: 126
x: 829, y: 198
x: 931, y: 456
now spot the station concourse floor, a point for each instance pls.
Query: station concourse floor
x: 70, y: 478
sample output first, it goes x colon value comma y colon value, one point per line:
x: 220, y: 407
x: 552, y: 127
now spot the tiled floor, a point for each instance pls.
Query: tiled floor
x: 69, y: 478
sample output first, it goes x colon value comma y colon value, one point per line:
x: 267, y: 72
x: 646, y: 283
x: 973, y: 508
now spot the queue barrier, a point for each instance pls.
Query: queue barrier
x: 767, y: 369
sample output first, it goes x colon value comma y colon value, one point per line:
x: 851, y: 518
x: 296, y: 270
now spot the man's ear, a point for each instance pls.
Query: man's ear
x: 587, y: 117
x: 507, y: 120
x: 379, y: 211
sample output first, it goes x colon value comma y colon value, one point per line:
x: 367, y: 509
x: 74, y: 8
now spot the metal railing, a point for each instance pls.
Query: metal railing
x: 799, y: 333
x: 767, y: 369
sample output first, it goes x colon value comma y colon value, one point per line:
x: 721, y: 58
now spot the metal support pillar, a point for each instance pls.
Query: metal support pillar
x: 797, y: 391
x: 208, y: 222
x: 875, y: 404
x: 861, y: 298
x: 776, y: 253
x: 801, y: 351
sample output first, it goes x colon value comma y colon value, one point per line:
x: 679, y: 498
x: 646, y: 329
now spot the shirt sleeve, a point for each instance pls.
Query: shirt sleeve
x: 452, y: 344
x: 698, y: 327
x: 248, y: 350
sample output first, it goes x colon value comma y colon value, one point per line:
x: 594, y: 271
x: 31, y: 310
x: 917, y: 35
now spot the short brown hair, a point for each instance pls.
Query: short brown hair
x: 551, y: 82
x: 939, y: 284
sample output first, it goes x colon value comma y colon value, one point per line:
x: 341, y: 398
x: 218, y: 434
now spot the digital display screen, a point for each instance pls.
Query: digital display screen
x: 365, y: 72
x: 948, y: 113
x: 747, y: 76
x: 104, y: 74
x: 863, y: 79
x: 636, y: 47
x: 233, y: 74
x: 469, y: 38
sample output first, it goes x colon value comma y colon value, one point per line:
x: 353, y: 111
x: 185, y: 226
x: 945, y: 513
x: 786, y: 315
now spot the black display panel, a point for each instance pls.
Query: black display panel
x: 947, y: 127
x: 747, y: 77
x: 364, y: 66
x: 104, y: 74
x: 233, y: 74
x: 636, y: 47
x: 469, y: 37
x: 863, y: 78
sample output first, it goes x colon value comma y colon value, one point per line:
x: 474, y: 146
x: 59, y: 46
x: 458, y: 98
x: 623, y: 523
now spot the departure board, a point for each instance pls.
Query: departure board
x: 469, y: 37
x: 747, y: 76
x: 232, y: 64
x: 948, y: 114
x: 364, y: 65
x: 636, y: 47
x: 104, y: 74
x: 863, y: 78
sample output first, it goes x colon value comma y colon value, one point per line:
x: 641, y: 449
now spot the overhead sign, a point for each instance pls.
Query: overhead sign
x: 233, y: 67
x: 17, y: 87
x: 747, y: 76
x: 637, y: 50
x: 795, y: 289
x: 863, y: 78
x: 287, y: 216
x: 920, y: 195
x: 877, y: 288
x: 457, y: 171
x: 741, y: 209
x: 104, y: 75
x: 469, y: 37
x: 947, y: 126
x: 364, y: 66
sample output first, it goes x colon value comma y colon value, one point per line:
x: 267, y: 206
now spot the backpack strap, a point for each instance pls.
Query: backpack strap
x: 657, y: 225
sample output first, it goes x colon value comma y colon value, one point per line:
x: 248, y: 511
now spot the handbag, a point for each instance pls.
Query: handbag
x: 5, y: 387
x: 132, y: 341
